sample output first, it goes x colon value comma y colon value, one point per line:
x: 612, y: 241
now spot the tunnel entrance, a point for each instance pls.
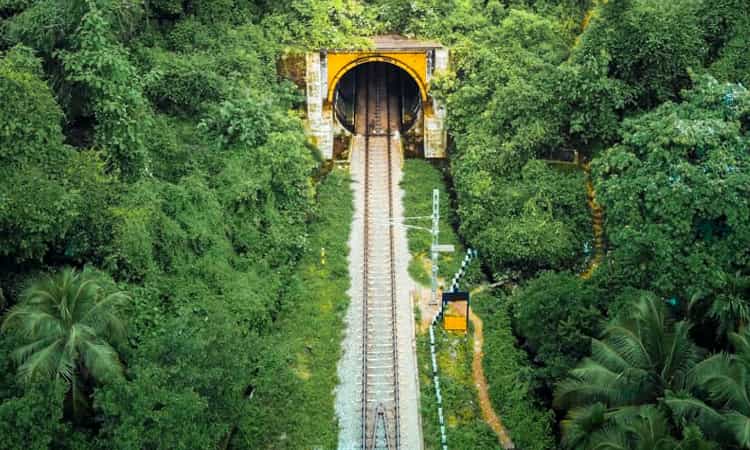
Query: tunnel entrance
x: 333, y: 79
x: 402, y: 91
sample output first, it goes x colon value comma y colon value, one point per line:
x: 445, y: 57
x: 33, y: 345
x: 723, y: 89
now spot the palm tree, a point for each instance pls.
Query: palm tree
x: 724, y: 381
x: 68, y: 324
x: 643, y: 427
x: 619, y: 391
x: 730, y: 308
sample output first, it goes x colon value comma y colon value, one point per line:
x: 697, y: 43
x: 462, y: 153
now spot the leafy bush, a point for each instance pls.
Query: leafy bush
x: 179, y: 377
x: 527, y: 222
x: 31, y: 131
x: 130, y: 253
x: 100, y: 67
x: 650, y: 45
x: 560, y: 305
x: 733, y: 63
x: 37, y: 25
x: 166, y: 8
x: 33, y: 420
x: 94, y: 191
x: 529, y: 424
x: 676, y: 193
x: 243, y: 121
x: 268, y: 193
x: 36, y: 209
x: 190, y: 34
x: 183, y: 83
x: 512, y: 103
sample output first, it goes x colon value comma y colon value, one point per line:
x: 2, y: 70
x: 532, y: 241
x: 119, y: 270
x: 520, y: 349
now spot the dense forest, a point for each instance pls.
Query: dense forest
x: 162, y: 213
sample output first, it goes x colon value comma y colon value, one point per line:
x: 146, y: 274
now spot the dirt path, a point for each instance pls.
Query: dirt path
x: 480, y: 381
x: 488, y: 413
x: 597, y: 215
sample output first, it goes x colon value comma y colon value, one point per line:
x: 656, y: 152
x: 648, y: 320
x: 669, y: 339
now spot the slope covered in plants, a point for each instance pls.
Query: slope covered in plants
x: 153, y: 147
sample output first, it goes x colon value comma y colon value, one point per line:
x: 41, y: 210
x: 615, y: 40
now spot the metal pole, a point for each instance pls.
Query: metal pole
x: 434, y: 252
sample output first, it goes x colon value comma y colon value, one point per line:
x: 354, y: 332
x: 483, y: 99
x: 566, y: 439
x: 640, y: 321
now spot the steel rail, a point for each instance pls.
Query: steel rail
x: 394, y: 314
x: 365, y: 283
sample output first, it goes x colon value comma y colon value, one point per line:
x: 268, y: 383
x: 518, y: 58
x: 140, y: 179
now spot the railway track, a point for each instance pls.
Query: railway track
x: 380, y: 390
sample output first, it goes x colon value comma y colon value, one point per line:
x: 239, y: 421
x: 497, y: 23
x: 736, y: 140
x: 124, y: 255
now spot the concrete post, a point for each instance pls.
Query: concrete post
x: 435, y: 135
x: 319, y: 119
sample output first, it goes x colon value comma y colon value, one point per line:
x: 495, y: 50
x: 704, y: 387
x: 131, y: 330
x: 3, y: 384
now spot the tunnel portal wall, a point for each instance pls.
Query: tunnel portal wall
x: 324, y: 69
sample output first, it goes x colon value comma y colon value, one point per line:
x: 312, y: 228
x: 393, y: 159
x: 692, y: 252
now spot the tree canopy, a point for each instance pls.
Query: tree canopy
x: 598, y: 161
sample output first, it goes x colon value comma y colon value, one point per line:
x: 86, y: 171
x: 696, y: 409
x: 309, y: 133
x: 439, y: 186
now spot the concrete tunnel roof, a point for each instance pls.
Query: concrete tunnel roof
x: 392, y: 43
x: 397, y: 42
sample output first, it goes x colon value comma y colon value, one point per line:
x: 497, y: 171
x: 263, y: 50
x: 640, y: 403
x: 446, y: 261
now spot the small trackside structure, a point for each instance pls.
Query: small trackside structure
x: 455, y: 311
x: 421, y: 60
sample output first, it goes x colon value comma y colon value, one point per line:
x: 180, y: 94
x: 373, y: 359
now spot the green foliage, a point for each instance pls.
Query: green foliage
x: 242, y: 121
x: 34, y: 420
x: 30, y: 115
x: 529, y: 423
x: 34, y: 214
x: 8, y: 7
x: 183, y: 83
x: 507, y: 106
x: 621, y: 392
x: 67, y: 325
x: 179, y: 372
x: 649, y: 45
x: 561, y: 305
x: 733, y: 62
x: 419, y: 179
x: 35, y: 209
x: 216, y: 231
x: 676, y: 192
x: 269, y: 195
x: 36, y: 24
x: 447, y: 20
x: 180, y: 377
x: 168, y: 8
x: 518, y: 101
x: 722, y: 381
x: 465, y: 427
x: 318, y: 23
x: 94, y: 190
x: 722, y: 21
x: 293, y: 404
x: 68, y: 322
x: 528, y: 221
x: 100, y: 68
x: 131, y: 253
x: 593, y: 103
x: 207, y: 226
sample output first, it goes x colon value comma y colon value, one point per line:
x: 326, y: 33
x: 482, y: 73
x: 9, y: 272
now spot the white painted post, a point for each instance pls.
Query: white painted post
x: 436, y: 379
x: 434, y: 250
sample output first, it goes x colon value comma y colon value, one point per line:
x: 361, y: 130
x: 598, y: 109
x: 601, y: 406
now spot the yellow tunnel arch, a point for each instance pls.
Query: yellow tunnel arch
x: 415, y: 64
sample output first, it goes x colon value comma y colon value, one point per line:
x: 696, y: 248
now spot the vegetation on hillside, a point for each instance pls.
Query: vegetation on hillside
x: 150, y: 149
x: 651, y: 95
x: 153, y: 148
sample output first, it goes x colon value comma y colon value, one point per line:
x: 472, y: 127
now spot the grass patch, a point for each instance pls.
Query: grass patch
x: 465, y: 427
x: 464, y: 424
x: 529, y: 424
x: 310, y: 332
x: 420, y: 178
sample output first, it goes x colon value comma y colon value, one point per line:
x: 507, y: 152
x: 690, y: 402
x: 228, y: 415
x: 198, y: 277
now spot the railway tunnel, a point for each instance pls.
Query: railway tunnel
x: 351, y: 92
x: 335, y: 81
x: 378, y: 99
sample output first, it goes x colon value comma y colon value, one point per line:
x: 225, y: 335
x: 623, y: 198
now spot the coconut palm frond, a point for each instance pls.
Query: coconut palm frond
x: 739, y: 426
x: 67, y: 321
